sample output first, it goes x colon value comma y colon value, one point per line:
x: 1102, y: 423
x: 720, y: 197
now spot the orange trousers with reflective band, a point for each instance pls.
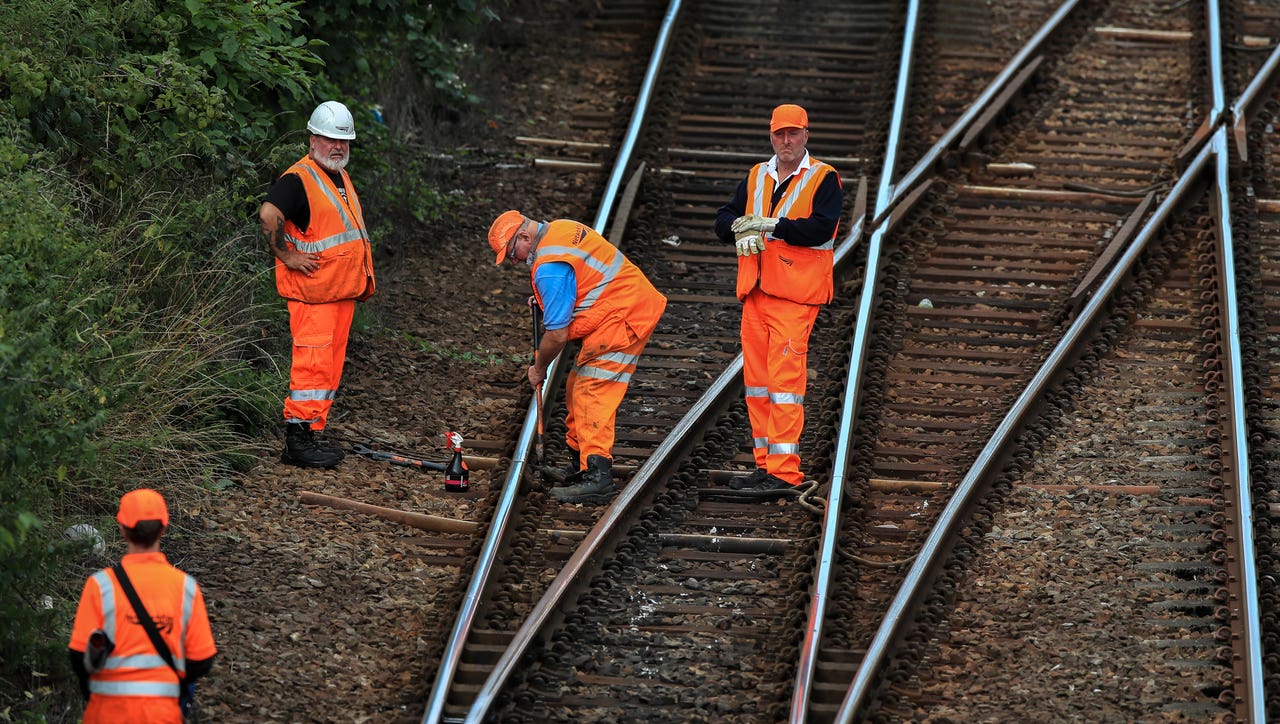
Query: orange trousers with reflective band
x: 320, y: 333
x: 596, y: 385
x: 775, y: 368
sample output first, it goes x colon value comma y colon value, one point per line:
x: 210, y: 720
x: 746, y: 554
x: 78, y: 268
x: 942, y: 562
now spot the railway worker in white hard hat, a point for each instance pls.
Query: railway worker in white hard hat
x: 324, y: 264
x: 782, y: 222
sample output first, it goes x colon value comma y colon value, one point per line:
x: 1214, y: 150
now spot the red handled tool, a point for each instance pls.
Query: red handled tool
x: 457, y: 477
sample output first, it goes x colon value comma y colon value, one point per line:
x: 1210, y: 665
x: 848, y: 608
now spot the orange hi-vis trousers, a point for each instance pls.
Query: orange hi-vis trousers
x: 596, y: 385
x: 320, y: 333
x: 775, y: 362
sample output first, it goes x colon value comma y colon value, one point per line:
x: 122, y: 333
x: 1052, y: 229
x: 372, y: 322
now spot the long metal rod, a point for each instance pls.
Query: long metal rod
x: 637, y: 116
x: 519, y: 461
x: 1218, y: 88
x: 951, y: 517
x: 1249, y: 614
x: 807, y: 665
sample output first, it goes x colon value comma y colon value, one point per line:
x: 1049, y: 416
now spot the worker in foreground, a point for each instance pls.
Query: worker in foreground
x: 588, y: 291
x: 141, y: 636
x: 324, y: 264
x: 782, y: 221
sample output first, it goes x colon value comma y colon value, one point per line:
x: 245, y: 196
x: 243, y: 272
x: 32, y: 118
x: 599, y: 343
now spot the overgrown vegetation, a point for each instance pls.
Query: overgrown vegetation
x: 141, y: 341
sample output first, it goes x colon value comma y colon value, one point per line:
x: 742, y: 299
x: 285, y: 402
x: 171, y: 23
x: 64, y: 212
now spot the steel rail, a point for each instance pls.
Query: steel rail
x: 957, y: 130
x: 637, y: 115
x: 1217, y: 147
x: 951, y: 518
x: 916, y: 577
x: 1240, y: 108
x: 520, y: 459
x: 809, y: 647
x: 1249, y: 616
x: 889, y: 195
x: 1246, y: 554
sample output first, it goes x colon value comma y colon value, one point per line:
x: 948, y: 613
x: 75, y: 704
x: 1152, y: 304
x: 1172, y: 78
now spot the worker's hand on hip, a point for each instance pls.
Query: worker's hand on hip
x: 749, y: 243
x: 301, y: 262
x: 763, y: 224
x: 536, y: 376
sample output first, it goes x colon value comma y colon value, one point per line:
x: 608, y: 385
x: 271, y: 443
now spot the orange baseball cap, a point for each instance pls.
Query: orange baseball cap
x: 142, y: 504
x: 788, y: 116
x: 500, y: 232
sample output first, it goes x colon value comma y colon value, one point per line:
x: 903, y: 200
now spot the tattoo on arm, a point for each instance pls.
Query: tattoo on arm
x: 275, y: 237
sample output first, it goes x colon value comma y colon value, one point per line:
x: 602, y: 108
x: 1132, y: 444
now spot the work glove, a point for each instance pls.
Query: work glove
x: 749, y: 242
x: 752, y: 222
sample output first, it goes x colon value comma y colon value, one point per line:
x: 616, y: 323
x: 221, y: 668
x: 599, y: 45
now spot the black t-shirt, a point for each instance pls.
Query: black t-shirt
x: 288, y: 195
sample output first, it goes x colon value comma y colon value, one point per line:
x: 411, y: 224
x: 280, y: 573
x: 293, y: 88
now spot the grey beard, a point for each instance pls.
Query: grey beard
x: 334, y: 166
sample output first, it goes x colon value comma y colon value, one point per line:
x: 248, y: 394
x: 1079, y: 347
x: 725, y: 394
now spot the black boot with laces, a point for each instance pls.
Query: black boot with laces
x: 301, y: 448
x: 595, y: 487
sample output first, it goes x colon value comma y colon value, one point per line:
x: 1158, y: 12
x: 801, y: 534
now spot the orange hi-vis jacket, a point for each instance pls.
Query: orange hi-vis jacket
x: 136, y: 683
x: 337, y: 233
x: 799, y: 273
x: 608, y: 282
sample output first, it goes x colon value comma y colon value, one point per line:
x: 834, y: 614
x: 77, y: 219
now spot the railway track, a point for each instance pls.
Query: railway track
x: 1004, y: 310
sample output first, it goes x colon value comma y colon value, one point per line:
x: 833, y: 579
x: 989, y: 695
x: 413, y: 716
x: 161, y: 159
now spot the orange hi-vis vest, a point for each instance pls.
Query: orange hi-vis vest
x: 337, y: 233
x: 607, y: 281
x: 174, y: 601
x: 799, y: 273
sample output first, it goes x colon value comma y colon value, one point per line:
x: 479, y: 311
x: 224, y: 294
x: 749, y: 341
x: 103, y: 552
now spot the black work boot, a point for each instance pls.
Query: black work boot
x: 565, y: 473
x: 595, y: 486
x: 760, y: 481
x: 750, y: 480
x: 301, y: 449
x: 324, y: 445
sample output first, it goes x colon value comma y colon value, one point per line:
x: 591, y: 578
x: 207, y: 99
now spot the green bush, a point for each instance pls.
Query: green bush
x: 138, y: 138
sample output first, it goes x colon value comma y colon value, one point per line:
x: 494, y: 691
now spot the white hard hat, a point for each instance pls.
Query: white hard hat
x: 331, y: 119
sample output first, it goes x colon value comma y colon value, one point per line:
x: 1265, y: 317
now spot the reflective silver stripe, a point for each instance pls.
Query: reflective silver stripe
x: 134, y: 688
x: 296, y: 420
x: 315, y: 247
x: 597, y: 373
x: 138, y: 661
x: 353, y: 231
x: 784, y: 448
x: 107, y: 590
x: 759, y: 442
x: 310, y: 395
x: 608, y: 271
x: 793, y: 192
x: 757, y: 392
x: 188, y: 606
x: 786, y: 398
x: 621, y: 358
x: 331, y: 196
x: 757, y: 199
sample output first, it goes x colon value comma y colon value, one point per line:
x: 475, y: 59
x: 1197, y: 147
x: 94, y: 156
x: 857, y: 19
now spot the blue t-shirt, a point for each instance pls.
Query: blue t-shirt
x: 558, y: 290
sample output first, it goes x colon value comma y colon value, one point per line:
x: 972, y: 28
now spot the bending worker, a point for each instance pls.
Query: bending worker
x: 324, y: 264
x: 588, y: 291
x: 782, y: 220
x: 126, y: 676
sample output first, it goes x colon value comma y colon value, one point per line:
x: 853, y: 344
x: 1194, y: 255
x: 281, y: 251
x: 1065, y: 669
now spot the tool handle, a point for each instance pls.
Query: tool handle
x: 395, y: 459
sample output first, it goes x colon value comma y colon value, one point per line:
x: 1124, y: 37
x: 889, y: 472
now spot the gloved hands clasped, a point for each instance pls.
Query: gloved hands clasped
x: 754, y: 222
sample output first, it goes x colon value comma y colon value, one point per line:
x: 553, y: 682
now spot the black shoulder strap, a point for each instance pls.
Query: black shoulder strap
x: 144, y: 618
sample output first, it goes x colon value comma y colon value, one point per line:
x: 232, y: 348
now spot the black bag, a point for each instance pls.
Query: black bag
x: 188, y: 691
x: 96, y: 653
